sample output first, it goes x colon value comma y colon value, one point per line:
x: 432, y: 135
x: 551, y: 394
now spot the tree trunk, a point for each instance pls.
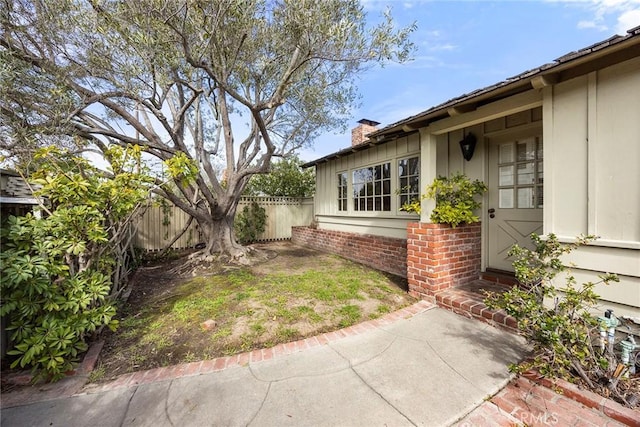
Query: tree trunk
x: 219, y: 236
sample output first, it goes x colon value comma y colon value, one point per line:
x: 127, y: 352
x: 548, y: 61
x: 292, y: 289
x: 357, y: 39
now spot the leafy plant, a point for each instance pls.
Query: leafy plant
x: 285, y: 179
x: 558, y: 322
x: 60, y: 273
x: 250, y: 223
x: 455, y: 200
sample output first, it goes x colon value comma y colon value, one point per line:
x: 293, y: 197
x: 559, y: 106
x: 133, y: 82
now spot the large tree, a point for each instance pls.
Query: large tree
x: 202, y: 85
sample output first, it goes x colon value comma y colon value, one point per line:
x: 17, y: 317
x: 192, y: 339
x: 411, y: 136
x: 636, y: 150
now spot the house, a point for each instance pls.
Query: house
x: 558, y: 147
x: 16, y: 197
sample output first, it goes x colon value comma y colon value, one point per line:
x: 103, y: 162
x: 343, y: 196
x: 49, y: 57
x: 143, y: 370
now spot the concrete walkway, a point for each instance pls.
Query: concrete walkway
x: 423, y: 366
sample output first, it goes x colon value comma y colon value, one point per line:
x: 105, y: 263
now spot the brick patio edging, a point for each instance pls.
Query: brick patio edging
x: 608, y: 407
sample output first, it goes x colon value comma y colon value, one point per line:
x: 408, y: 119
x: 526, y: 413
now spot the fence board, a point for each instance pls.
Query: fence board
x: 158, y: 225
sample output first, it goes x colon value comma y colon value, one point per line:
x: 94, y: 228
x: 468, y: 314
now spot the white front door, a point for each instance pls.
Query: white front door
x: 515, y: 196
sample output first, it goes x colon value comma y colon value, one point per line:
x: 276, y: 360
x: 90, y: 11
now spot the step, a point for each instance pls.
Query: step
x: 468, y: 300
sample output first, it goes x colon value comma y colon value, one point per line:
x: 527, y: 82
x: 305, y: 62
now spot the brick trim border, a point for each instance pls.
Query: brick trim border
x: 590, y: 399
x: 440, y: 257
x: 382, y: 253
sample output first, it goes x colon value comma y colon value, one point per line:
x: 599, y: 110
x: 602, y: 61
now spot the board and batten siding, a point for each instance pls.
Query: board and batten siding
x: 387, y: 224
x: 592, y: 176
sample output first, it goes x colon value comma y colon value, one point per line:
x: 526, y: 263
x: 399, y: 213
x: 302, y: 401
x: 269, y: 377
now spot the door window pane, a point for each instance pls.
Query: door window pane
x: 540, y: 173
x: 505, y: 198
x: 506, y: 153
x: 526, y: 149
x: 506, y: 175
x: 525, y: 198
x: 525, y: 173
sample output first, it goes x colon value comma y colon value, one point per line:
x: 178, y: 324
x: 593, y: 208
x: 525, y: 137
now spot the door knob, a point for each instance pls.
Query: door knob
x: 492, y: 213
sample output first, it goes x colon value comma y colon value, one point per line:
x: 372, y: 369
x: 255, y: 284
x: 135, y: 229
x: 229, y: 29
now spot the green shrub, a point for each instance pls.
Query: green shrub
x: 455, y: 200
x: 250, y: 223
x: 50, y: 309
x: 559, y: 323
x: 61, y: 274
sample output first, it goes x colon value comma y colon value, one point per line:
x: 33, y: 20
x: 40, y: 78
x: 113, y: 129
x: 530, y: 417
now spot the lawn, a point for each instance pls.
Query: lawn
x: 296, y: 293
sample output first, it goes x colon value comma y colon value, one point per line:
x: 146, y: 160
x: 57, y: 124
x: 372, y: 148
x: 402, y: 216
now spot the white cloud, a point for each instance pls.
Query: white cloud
x: 619, y: 15
x: 444, y: 46
x: 626, y: 21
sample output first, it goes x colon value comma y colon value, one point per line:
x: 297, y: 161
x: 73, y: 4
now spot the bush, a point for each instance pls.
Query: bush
x: 455, y: 200
x: 51, y: 309
x: 558, y: 322
x: 60, y: 274
x: 250, y: 223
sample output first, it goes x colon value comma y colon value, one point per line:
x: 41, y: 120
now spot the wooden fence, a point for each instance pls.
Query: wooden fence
x: 158, y: 224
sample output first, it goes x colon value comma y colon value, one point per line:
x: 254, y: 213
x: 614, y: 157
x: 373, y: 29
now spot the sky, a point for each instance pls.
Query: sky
x: 467, y: 45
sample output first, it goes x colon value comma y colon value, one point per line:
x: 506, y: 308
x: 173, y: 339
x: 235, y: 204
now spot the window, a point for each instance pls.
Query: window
x: 409, y: 180
x: 342, y: 191
x: 372, y: 188
x: 521, y: 176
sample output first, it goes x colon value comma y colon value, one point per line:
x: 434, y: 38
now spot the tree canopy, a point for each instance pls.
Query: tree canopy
x: 201, y: 86
x: 285, y: 179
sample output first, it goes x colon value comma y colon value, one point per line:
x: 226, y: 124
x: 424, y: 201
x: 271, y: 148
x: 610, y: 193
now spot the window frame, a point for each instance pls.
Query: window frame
x: 409, y: 194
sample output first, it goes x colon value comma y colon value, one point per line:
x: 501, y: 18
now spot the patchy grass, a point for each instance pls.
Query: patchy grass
x: 297, y: 294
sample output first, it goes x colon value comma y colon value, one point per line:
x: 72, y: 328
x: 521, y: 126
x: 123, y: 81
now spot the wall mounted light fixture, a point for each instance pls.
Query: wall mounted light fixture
x: 468, y: 146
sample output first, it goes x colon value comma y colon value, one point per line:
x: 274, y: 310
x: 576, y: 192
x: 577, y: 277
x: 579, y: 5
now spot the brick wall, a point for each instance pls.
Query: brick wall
x: 440, y: 257
x: 382, y: 253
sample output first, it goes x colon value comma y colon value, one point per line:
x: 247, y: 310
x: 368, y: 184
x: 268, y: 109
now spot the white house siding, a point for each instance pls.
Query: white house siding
x: 592, y: 176
x: 388, y: 224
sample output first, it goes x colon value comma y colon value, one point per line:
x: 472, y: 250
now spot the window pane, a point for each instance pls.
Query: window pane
x: 378, y: 203
x: 506, y: 153
x: 505, y: 196
x: 403, y: 184
x: 525, y: 173
x: 506, y: 175
x: 414, y: 166
x: 386, y: 170
x: 414, y: 185
x: 369, y: 203
x: 525, y: 197
x: 402, y: 168
x: 386, y: 186
x: 378, y: 188
x: 526, y: 149
x: 386, y: 203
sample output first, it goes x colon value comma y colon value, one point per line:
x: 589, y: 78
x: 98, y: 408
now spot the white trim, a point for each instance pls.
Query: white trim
x: 504, y: 107
x: 592, y: 119
x: 605, y: 243
x: 19, y: 201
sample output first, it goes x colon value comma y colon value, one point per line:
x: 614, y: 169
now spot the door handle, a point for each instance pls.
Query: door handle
x: 492, y: 210
x: 492, y: 213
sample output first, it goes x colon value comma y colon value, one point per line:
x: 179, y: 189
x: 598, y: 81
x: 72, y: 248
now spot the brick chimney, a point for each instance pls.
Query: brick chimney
x: 360, y: 132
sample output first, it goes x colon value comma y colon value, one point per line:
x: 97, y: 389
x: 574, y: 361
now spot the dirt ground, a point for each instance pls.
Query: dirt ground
x: 250, y: 317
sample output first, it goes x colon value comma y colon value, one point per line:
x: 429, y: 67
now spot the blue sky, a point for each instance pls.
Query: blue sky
x: 467, y: 45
